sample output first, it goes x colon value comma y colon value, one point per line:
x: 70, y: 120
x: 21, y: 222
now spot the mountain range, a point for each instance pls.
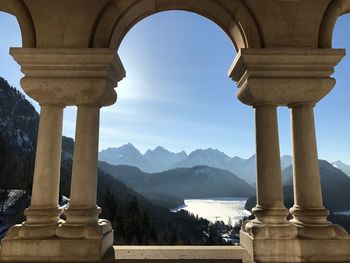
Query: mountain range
x: 182, y: 183
x: 160, y: 159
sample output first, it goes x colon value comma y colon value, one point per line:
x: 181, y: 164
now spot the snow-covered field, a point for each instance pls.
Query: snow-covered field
x: 345, y: 213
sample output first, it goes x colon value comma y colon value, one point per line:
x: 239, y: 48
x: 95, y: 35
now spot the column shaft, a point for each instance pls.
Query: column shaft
x: 308, y: 205
x: 48, y: 157
x: 44, y: 208
x: 270, y: 207
x: 82, y: 208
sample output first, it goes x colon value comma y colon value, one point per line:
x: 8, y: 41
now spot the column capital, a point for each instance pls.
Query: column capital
x: 70, y: 76
x: 284, y: 76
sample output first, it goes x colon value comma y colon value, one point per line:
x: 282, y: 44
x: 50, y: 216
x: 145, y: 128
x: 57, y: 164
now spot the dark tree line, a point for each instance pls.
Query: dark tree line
x: 134, y: 224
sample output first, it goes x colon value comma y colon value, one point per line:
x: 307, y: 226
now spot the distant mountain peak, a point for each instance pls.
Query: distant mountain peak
x: 129, y: 145
x: 338, y: 162
x: 342, y: 166
x: 160, y: 149
x: 207, y: 151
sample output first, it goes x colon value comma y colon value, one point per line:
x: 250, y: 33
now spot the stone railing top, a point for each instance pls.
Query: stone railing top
x: 181, y: 253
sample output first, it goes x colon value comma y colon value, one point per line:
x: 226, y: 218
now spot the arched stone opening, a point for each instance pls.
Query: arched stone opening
x: 20, y: 11
x: 334, y: 10
x: 16, y: 165
x: 234, y: 19
x: 9, y: 38
x: 204, y: 82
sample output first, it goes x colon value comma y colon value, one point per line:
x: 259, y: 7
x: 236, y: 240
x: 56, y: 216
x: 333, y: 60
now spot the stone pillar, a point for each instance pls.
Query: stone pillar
x: 309, y: 214
x: 270, y: 213
x: 82, y: 213
x: 308, y: 206
x: 270, y: 207
x: 43, y: 213
x: 84, y: 175
x: 297, y: 78
x: 54, y: 77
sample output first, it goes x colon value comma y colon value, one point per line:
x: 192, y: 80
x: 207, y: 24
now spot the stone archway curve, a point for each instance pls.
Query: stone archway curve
x: 20, y: 11
x: 233, y: 17
x: 335, y: 9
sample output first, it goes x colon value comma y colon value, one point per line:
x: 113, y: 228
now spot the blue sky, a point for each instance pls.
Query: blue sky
x: 177, y: 93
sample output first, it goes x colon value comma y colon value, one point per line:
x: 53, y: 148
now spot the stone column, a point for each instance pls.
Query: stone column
x: 308, y: 206
x: 270, y: 206
x: 270, y: 212
x: 82, y: 213
x: 309, y: 214
x: 260, y: 93
x: 43, y: 213
x: 84, y: 175
x: 85, y: 78
x: 297, y: 78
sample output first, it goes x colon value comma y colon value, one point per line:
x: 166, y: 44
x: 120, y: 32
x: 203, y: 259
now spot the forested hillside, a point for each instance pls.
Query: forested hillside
x: 195, y: 182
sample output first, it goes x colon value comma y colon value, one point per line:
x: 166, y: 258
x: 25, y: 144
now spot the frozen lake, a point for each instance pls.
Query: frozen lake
x: 344, y: 213
x: 217, y: 209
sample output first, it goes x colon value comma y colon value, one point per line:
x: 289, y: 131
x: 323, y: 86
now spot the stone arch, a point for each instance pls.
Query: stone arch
x: 20, y: 11
x: 233, y: 18
x: 335, y: 9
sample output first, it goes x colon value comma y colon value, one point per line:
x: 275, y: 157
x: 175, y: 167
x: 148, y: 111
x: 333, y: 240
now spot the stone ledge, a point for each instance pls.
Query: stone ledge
x: 291, y: 250
x: 159, y: 254
x: 181, y: 254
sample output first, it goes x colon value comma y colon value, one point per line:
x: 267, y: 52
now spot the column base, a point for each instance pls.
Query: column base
x: 328, y: 231
x: 269, y: 222
x: 77, y: 215
x: 263, y: 231
x: 41, y: 222
x: 311, y: 223
x: 309, y: 216
x: 294, y: 250
x: 91, y: 231
x: 90, y: 247
x: 270, y: 215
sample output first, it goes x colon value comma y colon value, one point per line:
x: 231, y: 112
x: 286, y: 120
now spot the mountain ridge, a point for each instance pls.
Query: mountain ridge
x: 182, y: 183
x: 160, y: 159
x: 342, y: 166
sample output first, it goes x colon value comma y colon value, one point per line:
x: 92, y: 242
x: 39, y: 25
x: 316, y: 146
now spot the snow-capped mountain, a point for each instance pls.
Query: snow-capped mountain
x: 208, y: 157
x: 126, y: 154
x: 160, y: 159
x: 342, y: 166
x: 163, y: 159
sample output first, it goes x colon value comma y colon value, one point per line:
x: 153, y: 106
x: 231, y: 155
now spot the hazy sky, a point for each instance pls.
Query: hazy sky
x: 177, y: 93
